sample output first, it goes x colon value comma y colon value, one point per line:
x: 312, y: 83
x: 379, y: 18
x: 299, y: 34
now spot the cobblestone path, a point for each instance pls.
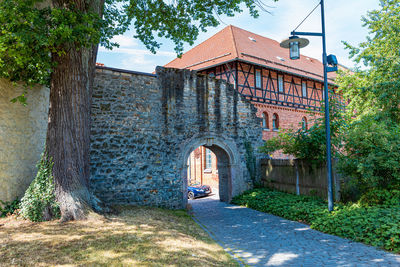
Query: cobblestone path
x: 261, y: 239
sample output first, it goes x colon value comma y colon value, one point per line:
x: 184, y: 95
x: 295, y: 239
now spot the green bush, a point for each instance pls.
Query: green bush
x: 349, y: 190
x: 374, y: 225
x: 8, y: 207
x: 39, y: 202
x: 381, y: 197
x: 372, y: 154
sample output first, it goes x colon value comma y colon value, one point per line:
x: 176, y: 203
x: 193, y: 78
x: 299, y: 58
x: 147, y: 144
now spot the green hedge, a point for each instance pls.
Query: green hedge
x: 374, y: 225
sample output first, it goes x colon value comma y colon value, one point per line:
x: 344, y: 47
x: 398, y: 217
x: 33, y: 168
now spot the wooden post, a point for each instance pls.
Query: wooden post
x: 336, y: 179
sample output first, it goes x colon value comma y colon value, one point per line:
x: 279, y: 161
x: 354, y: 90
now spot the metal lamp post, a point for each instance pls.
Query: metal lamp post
x: 294, y: 43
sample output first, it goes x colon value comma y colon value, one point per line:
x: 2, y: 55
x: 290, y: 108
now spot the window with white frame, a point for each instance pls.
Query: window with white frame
x: 304, y: 89
x: 265, y: 121
x: 275, y: 121
x: 304, y: 123
x: 258, y: 79
x: 208, y: 159
x: 280, y: 83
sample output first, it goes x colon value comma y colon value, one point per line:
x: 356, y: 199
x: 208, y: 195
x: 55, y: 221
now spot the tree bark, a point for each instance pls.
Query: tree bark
x: 68, y: 133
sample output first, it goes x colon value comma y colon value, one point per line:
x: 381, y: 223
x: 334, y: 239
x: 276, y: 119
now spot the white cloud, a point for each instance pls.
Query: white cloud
x: 342, y: 23
x: 133, y: 51
x: 137, y: 62
x: 125, y: 41
x: 134, y: 59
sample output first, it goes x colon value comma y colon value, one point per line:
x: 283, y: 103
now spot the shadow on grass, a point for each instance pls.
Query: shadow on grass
x: 135, y: 236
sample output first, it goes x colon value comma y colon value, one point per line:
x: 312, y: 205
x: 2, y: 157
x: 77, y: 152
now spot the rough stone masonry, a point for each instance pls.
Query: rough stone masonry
x: 144, y: 126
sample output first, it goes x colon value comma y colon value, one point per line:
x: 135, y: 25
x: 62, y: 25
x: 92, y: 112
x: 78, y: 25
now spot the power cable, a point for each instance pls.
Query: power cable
x: 307, y: 16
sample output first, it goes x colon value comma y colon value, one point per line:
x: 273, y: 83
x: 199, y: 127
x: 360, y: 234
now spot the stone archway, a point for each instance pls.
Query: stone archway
x: 228, y: 168
x: 144, y: 127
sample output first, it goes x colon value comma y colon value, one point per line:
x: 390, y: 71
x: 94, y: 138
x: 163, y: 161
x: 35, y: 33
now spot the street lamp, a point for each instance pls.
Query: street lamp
x: 294, y: 43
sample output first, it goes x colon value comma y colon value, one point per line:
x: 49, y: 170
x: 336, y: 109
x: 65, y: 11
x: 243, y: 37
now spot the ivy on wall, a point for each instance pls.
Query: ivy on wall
x: 39, y: 202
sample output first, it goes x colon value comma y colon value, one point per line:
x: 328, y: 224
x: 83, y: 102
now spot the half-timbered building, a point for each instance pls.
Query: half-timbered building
x: 284, y: 91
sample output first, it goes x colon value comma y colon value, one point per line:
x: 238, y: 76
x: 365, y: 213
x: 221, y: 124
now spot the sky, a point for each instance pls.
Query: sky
x: 342, y: 20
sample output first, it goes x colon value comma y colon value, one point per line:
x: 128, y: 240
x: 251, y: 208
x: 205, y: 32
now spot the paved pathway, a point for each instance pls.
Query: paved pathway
x: 262, y: 239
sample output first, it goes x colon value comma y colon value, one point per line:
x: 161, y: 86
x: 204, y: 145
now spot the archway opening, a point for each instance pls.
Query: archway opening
x: 210, y: 166
x: 203, y: 169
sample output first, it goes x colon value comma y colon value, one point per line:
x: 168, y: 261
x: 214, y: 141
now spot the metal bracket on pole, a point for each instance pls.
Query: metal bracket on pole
x: 331, y: 69
x: 306, y: 33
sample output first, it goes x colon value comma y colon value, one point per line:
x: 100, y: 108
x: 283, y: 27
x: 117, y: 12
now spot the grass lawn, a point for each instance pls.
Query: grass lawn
x: 135, y: 237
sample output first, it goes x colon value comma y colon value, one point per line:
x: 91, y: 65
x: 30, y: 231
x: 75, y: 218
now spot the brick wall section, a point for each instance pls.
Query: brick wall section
x: 289, y: 118
x: 22, y: 137
x: 210, y: 175
x: 197, y: 172
x: 139, y: 123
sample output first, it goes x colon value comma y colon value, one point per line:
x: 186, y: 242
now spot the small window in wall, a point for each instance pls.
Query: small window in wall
x: 208, y: 159
x: 258, y: 79
x: 304, y: 89
x: 211, y: 74
x: 265, y: 123
x: 280, y: 83
x: 275, y: 121
x: 304, y: 124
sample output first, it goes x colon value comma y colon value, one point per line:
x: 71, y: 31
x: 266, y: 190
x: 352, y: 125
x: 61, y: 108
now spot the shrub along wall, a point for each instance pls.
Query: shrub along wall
x: 297, y: 176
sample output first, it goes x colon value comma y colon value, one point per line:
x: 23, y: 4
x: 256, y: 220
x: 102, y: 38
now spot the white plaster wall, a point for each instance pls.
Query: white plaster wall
x: 22, y: 137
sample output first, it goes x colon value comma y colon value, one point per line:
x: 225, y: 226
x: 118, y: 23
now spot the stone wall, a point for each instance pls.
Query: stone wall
x: 145, y: 126
x: 22, y: 137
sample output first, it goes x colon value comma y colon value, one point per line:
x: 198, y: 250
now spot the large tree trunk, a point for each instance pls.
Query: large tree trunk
x: 68, y: 133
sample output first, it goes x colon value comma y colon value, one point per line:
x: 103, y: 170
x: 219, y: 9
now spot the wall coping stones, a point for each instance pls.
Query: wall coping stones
x: 117, y: 71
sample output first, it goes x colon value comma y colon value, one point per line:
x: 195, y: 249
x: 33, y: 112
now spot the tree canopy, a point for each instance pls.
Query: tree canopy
x: 372, y: 139
x: 31, y: 30
x: 374, y: 86
x: 55, y: 42
x: 367, y: 135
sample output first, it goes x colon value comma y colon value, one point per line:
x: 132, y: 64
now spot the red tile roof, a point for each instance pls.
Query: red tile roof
x: 233, y: 43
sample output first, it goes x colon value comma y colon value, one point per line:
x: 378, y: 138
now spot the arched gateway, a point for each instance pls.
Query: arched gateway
x: 228, y: 163
x: 145, y: 126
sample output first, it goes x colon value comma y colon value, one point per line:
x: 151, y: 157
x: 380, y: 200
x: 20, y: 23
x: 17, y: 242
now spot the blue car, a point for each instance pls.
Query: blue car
x: 198, y: 191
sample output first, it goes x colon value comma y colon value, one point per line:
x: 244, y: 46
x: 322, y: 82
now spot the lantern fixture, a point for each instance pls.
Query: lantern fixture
x: 294, y: 43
